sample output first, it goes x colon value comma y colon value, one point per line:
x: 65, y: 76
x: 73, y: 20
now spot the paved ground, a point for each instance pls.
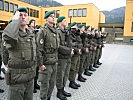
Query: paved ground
x: 112, y: 81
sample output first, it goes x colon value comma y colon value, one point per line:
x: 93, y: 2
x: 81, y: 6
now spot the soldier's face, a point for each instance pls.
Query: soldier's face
x: 50, y: 19
x: 83, y: 29
x: 33, y: 24
x: 64, y: 22
x: 23, y: 18
x: 89, y: 29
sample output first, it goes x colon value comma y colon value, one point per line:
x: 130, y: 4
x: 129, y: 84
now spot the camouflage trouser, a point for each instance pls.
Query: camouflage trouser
x: 63, y: 69
x: 82, y: 65
x: 88, y: 60
x: 97, y: 55
x: 48, y: 80
x: 93, y: 57
x: 75, y: 61
x: 100, y: 54
x: 22, y: 91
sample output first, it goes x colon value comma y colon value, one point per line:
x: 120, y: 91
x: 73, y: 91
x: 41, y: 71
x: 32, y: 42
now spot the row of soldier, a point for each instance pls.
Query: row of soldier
x: 58, y: 54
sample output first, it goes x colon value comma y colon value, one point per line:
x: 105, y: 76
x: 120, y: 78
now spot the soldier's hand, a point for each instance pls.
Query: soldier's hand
x: 72, y: 52
x: 6, y: 65
x: 87, y: 50
x: 16, y: 16
x: 42, y: 67
x: 80, y: 51
x: 95, y: 48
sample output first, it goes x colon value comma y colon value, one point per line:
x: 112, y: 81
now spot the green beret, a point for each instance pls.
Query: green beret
x: 9, y: 21
x: 87, y: 27
x: 48, y: 14
x: 60, y: 19
x: 92, y: 29
x: 38, y: 26
x: 74, y: 23
x: 80, y: 25
x: 31, y: 21
x: 21, y: 9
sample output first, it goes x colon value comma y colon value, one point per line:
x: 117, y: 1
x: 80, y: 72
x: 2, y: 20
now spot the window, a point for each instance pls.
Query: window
x: 31, y: 12
x: 79, y: 12
x: 37, y: 14
x: 70, y: 12
x: 34, y: 13
x: 6, y: 4
x: 28, y: 10
x: 1, y: 5
x: 84, y: 12
x: 11, y: 7
x: 132, y: 26
x: 57, y: 13
x: 15, y: 7
x: 74, y: 12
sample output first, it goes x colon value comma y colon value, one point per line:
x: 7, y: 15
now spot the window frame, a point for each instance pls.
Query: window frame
x: 15, y: 5
x: 5, y: 6
x: 82, y: 12
x: 12, y: 7
x: 2, y: 5
x: 76, y: 13
x: 56, y: 13
x: 69, y: 11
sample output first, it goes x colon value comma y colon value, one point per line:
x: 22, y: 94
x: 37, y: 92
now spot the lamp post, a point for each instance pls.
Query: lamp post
x: 70, y: 19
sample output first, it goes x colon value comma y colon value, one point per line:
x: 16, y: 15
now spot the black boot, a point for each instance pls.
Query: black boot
x: 91, y: 68
x: 78, y: 85
x: 87, y: 73
x: 99, y: 63
x: 36, y: 86
x: 73, y: 85
x: 48, y: 98
x: 66, y: 93
x: 95, y: 66
x: 1, y: 91
x: 1, y: 78
x: 80, y: 78
x: 60, y: 95
x: 34, y: 90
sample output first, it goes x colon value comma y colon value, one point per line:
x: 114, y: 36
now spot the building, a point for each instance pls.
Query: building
x: 128, y: 23
x: 87, y: 14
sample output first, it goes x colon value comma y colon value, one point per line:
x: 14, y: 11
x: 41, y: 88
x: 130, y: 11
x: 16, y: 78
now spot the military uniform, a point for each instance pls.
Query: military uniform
x: 64, y: 62
x: 36, y: 86
x: 75, y: 60
x: 22, y: 55
x: 48, y: 44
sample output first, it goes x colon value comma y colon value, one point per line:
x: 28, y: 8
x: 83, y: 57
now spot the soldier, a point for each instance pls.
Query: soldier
x: 1, y: 78
x: 99, y: 46
x: 48, y: 44
x: 32, y: 26
x: 75, y: 60
x: 88, y: 59
x: 92, y: 49
x: 21, y: 46
x: 64, y: 62
x: 85, y: 50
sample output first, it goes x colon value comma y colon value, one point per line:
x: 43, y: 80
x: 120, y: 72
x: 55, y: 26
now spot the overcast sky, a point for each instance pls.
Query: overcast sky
x: 101, y: 4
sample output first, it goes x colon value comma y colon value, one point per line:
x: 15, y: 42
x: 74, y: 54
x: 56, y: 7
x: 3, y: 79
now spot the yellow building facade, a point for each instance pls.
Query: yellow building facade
x: 128, y: 24
x: 87, y: 14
